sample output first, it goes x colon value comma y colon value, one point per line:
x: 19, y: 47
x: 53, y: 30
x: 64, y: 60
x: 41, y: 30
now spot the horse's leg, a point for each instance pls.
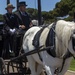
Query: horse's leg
x: 32, y: 63
x: 40, y: 70
x: 43, y: 73
x: 66, y: 66
x: 49, y: 70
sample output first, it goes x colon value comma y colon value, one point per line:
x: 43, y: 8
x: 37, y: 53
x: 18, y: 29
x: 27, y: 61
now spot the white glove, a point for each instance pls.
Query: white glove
x: 11, y: 30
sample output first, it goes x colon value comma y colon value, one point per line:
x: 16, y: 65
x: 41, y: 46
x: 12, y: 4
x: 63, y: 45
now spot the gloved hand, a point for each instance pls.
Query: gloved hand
x: 22, y: 26
x: 13, y: 30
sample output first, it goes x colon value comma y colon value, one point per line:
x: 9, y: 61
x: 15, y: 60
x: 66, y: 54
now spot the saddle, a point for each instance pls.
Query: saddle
x: 49, y: 42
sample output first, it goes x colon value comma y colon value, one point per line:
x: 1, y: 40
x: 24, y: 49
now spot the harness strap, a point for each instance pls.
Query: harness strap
x: 36, y: 40
x: 37, y: 37
x: 51, y: 41
x: 39, y: 53
x: 67, y: 55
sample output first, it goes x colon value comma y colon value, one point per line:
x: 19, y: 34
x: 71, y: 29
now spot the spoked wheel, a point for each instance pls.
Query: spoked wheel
x: 2, y: 67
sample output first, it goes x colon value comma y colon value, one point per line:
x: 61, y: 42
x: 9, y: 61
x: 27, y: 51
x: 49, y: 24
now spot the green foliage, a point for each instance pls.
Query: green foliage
x: 62, y: 8
x: 72, y: 65
x: 1, y: 17
x: 69, y: 18
x: 33, y: 12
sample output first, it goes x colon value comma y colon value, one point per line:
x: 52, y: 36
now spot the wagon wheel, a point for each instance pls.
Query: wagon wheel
x: 26, y: 68
x: 2, y: 67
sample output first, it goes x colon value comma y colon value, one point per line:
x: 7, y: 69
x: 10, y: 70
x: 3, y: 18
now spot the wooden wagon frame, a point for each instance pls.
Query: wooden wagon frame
x: 19, y: 63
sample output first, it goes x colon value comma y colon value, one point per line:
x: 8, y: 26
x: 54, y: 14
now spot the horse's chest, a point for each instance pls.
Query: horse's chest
x: 51, y: 61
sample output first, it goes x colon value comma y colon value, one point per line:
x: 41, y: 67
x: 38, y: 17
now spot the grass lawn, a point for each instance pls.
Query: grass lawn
x: 72, y: 66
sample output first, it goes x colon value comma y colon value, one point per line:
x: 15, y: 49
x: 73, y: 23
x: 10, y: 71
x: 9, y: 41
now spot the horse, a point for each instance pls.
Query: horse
x: 64, y: 48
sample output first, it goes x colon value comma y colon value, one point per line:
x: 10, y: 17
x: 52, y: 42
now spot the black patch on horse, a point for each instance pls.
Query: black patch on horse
x: 51, y: 41
x: 37, y: 37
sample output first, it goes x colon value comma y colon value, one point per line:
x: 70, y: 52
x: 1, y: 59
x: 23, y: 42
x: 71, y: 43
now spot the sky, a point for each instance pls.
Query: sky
x: 46, y: 5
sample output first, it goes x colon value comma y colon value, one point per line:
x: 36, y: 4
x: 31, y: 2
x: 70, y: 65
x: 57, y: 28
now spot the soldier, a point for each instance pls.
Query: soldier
x: 10, y: 27
x: 24, y: 20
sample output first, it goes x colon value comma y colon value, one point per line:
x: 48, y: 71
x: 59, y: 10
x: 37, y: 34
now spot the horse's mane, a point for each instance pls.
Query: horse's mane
x: 64, y: 31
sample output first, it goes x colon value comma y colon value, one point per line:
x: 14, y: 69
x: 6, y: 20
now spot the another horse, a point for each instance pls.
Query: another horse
x: 64, y: 48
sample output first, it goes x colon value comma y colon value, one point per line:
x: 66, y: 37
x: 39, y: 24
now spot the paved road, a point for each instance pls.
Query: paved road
x: 67, y: 73
x: 70, y: 73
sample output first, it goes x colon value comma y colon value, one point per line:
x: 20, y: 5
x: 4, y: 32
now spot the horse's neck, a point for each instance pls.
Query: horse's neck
x: 60, y: 51
x: 63, y: 33
x: 60, y: 48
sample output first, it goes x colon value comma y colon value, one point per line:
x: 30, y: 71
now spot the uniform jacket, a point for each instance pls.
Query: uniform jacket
x: 23, y: 19
x: 10, y: 21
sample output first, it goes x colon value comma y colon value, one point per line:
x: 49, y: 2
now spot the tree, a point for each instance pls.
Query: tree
x: 1, y: 17
x: 63, y: 8
x: 33, y: 13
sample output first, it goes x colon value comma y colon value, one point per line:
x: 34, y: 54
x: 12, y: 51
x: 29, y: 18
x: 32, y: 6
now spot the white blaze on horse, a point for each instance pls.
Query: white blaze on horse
x: 64, y: 48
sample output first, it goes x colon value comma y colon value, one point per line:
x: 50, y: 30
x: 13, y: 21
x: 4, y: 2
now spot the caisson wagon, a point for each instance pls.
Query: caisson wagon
x: 16, y: 65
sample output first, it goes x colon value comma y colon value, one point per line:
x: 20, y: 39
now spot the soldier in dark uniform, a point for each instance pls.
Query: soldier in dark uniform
x: 24, y: 19
x: 10, y: 27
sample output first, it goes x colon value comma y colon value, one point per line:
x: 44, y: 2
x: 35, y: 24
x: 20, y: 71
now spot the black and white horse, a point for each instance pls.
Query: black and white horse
x: 64, y: 48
